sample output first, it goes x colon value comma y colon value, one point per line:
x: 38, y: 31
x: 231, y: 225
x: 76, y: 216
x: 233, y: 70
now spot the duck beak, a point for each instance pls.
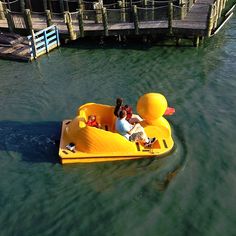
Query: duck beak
x: 169, y: 111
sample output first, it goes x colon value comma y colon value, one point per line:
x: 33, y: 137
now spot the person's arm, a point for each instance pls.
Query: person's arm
x: 127, y: 127
x: 131, y: 131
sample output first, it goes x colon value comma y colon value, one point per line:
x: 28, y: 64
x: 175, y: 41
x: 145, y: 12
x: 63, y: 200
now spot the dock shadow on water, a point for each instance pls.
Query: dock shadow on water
x: 34, y: 142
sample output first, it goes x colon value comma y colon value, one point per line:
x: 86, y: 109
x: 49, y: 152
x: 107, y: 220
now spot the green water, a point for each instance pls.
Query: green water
x: 190, y: 192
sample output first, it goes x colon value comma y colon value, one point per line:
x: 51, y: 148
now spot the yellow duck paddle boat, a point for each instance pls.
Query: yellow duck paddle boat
x: 81, y: 143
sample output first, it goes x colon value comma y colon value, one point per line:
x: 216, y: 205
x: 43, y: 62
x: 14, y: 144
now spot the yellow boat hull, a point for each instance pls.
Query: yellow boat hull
x: 161, y: 147
x: 104, y: 144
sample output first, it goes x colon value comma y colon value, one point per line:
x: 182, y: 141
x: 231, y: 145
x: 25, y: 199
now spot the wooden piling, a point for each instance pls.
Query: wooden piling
x: 122, y: 11
x: 61, y: 4
x: 34, y: 50
x: 28, y: 5
x: 182, y: 10
x: 22, y: 5
x: 153, y: 10
x: 2, y: 16
x: 66, y: 6
x: 224, y: 3
x: 81, y: 22
x: 45, y: 5
x: 80, y: 4
x: 50, y: 5
x: 98, y: 9
x: 216, y: 13
x: 135, y: 19
x: 170, y: 17
x: 28, y: 20
x: 145, y: 3
x: 210, y: 20
x: 178, y: 41
x: 68, y: 21
x: 48, y: 18
x: 10, y: 21
x: 196, y: 41
x: 221, y: 7
x: 105, y: 21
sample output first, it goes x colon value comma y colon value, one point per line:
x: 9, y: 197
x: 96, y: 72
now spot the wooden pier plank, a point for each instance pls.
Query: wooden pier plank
x: 195, y: 23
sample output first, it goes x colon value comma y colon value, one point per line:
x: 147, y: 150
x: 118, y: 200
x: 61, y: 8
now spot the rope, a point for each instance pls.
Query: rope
x: 150, y: 8
x: 70, y: 1
x: 117, y: 10
x: 7, y: 3
x: 89, y: 11
x: 87, y: 2
x: 112, y: 4
x: 36, y: 12
x: 74, y: 13
x: 54, y: 13
x: 15, y: 12
x: 135, y: 2
x: 176, y: 6
x: 160, y: 1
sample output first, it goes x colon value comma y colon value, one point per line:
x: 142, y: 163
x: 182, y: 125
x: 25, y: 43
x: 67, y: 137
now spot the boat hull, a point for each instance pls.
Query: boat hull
x: 162, y: 147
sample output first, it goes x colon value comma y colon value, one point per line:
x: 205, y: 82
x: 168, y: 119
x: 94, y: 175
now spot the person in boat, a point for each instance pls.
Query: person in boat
x: 131, y: 118
x: 92, y: 121
x: 132, y: 132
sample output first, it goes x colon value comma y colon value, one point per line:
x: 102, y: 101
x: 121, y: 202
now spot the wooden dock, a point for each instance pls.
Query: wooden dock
x: 15, y: 47
x: 187, y: 19
x: 20, y: 48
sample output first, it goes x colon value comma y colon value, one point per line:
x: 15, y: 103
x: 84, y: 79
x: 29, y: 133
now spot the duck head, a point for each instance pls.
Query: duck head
x: 151, y: 107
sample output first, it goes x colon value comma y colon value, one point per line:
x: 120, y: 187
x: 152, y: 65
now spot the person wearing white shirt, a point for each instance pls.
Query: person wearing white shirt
x: 132, y: 132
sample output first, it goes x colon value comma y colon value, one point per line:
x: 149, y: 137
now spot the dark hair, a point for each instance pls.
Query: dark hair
x: 119, y: 102
x: 122, y: 114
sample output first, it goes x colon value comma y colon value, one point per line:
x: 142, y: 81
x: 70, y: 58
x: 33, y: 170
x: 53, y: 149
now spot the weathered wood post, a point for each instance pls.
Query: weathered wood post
x: 34, y: 49
x: 45, y: 5
x: 105, y: 21
x: 135, y: 19
x: 28, y: 5
x: 80, y: 4
x: 28, y: 20
x: 224, y: 3
x: 98, y: 8
x: 61, y: 4
x: 153, y: 10
x: 221, y: 7
x: 188, y: 5
x: 170, y: 17
x: 66, y: 6
x: 122, y: 10
x: 69, y: 24
x: 217, y: 13
x: 10, y: 21
x: 183, y: 9
x: 196, y: 41
x: 145, y: 3
x: 210, y: 20
x: 49, y: 18
x: 178, y: 41
x: 81, y: 22
x: 2, y: 16
x: 22, y: 5
x: 50, y: 5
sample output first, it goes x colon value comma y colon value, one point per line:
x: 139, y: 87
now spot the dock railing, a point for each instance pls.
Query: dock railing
x: 43, y: 41
x: 103, y: 16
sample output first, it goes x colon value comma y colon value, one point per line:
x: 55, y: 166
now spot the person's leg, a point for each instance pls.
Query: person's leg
x: 139, y: 129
